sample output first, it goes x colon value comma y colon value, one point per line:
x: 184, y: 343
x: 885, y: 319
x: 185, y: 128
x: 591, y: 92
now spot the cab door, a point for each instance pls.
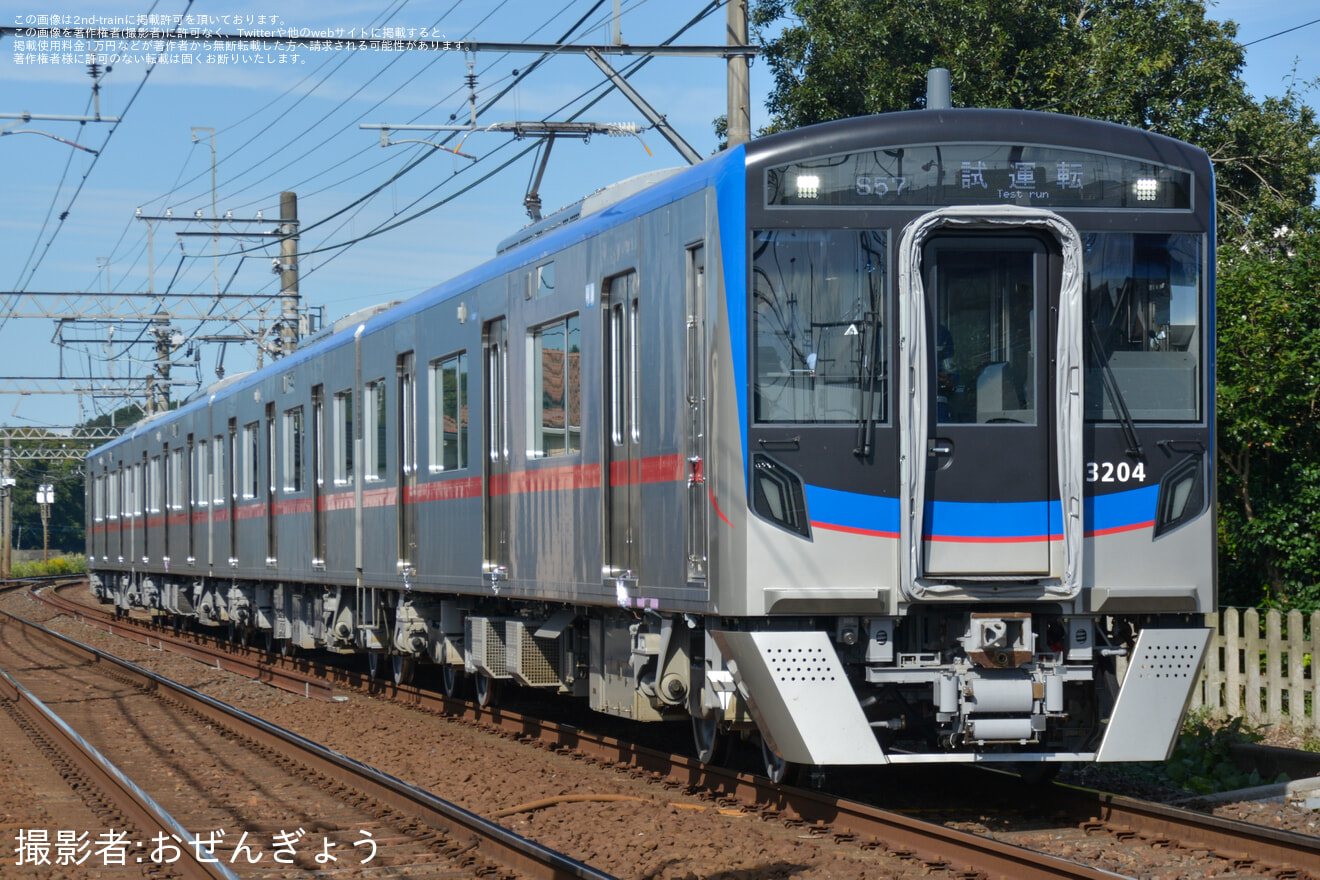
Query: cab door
x: 991, y: 429
x: 991, y: 433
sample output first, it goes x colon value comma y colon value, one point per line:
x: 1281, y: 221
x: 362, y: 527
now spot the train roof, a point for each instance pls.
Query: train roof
x: 972, y: 125
x: 601, y: 210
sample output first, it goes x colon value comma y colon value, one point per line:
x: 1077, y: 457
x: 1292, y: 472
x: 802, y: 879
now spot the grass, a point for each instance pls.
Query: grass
x: 57, y: 566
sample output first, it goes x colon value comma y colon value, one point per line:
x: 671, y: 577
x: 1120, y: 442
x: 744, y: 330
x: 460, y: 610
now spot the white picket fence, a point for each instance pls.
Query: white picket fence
x: 1265, y: 675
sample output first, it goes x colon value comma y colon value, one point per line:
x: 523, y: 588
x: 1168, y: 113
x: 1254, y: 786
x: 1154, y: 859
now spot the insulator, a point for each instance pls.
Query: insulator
x: 621, y: 129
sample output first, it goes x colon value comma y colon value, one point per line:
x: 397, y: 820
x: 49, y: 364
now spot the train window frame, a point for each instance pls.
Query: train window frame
x: 249, y: 476
x: 174, y: 499
x: 1157, y: 366
x: 152, y: 503
x: 294, y: 444
x: 112, y: 500
x: 544, y: 280
x: 343, y: 436
x: 438, y: 441
x: 201, y: 482
x: 375, y: 437
x: 217, y: 475
x: 539, y: 390
x: 132, y: 508
x: 792, y: 359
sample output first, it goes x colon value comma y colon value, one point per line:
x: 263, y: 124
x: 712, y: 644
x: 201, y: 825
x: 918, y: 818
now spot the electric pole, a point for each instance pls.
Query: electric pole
x: 6, y: 509
x: 288, y: 272
x: 739, y: 128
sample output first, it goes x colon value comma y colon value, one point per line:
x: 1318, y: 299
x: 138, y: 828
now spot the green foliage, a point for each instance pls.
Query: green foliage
x: 65, y: 526
x: 60, y: 565
x: 1269, y: 400
x: 1202, y: 762
x: 122, y: 417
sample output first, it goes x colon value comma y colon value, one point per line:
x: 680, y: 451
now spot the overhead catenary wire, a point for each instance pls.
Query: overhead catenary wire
x: 359, y: 203
x: 114, y: 127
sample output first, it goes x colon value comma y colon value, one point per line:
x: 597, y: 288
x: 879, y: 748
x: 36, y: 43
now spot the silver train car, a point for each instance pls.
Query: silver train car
x: 889, y: 439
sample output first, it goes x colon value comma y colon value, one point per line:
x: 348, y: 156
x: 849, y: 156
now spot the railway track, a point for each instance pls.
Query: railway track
x: 250, y: 791
x: 1120, y: 822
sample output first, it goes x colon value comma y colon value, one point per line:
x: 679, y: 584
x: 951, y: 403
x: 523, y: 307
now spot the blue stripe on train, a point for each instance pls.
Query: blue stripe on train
x: 850, y: 511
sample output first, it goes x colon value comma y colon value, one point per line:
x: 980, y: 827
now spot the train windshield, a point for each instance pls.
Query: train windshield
x: 1143, y: 323
x: 819, y: 315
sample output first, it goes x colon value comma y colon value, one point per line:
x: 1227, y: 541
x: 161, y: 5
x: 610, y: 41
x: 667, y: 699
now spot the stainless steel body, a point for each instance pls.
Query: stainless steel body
x: 801, y: 397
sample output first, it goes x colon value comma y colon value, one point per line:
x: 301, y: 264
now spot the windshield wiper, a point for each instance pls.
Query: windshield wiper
x: 1114, y: 393
x: 866, y: 423
x: 868, y: 365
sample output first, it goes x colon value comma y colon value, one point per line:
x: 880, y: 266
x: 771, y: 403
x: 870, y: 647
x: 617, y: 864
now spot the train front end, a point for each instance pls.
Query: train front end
x: 969, y: 431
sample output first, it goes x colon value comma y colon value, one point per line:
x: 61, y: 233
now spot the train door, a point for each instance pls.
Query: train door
x: 405, y: 369
x: 231, y: 495
x: 991, y: 499
x: 189, y: 500
x: 622, y: 456
x: 163, y: 478
x: 272, y: 545
x: 318, y: 477
x: 495, y: 489
x: 150, y: 470
x: 695, y: 382
x: 121, y: 507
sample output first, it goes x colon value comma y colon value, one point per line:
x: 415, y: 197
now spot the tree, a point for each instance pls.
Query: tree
x: 1269, y: 401
x: 1155, y: 64
x: 66, y: 527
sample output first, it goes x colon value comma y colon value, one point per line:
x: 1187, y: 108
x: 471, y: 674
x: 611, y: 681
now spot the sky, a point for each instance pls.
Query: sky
x: 266, y: 121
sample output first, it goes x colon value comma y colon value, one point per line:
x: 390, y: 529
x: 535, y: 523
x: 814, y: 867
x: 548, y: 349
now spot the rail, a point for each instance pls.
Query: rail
x: 492, y: 840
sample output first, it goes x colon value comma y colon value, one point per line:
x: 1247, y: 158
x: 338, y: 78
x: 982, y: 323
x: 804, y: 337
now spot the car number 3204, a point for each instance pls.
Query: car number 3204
x: 1115, y: 472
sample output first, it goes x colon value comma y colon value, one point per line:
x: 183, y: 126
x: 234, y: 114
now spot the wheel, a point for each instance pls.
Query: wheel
x: 488, y: 690
x: 712, y: 744
x: 1037, y: 773
x: 450, y: 680
x: 777, y: 770
x: 238, y: 635
x: 287, y: 647
x: 268, y: 640
x: 374, y: 663
x: 404, y: 666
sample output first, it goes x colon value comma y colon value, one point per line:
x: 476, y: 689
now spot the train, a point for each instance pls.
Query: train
x: 883, y: 440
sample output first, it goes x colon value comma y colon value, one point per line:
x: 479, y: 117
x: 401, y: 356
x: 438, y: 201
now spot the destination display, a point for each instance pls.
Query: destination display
x: 979, y: 174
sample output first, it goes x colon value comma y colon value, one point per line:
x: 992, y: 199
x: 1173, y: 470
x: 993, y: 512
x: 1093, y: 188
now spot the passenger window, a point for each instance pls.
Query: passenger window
x: 250, y: 477
x: 376, y: 437
x: 343, y: 416
x: 293, y: 450
x: 449, y: 413
x: 554, y: 403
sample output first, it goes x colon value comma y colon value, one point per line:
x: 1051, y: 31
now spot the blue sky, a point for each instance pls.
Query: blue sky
x: 294, y: 125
